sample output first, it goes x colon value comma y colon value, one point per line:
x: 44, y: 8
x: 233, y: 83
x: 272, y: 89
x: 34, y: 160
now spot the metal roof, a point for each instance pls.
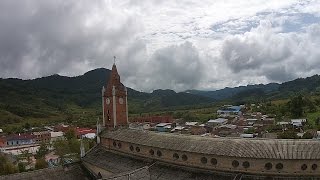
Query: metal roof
x: 234, y: 147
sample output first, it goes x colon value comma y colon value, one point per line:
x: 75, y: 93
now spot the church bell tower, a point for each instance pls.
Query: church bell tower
x: 114, y: 101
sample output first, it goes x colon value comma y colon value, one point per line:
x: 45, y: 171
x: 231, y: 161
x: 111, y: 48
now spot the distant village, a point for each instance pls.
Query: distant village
x: 23, y: 147
x: 232, y: 121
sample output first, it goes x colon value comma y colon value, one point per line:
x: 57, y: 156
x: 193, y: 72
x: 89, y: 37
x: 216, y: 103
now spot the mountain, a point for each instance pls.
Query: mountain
x: 54, y: 95
x: 264, y: 92
x: 230, y: 92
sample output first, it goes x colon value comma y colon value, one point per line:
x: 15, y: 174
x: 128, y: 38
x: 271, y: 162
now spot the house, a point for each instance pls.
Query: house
x: 3, y: 142
x: 81, y: 132
x: 298, y: 122
x: 163, y: 127
x: 178, y: 129
x: 189, y: 124
x: 247, y: 135
x: 229, y: 111
x: 1, y: 131
x: 20, y: 139
x: 42, y: 137
x: 56, y: 136
x: 318, y: 135
x: 153, y: 119
x: 216, y: 122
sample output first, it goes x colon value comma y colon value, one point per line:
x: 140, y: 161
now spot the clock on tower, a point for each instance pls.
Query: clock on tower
x: 114, y: 101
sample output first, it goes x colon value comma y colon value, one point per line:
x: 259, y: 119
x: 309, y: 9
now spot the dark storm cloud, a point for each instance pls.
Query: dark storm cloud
x: 46, y: 37
x: 175, y: 67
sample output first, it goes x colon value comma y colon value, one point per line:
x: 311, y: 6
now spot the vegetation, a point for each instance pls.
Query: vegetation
x: 6, y: 167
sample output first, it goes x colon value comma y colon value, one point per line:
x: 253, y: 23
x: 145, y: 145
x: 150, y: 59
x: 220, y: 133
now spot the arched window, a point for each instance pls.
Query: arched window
x: 175, y: 156
x: 268, y: 166
x: 114, y: 144
x: 159, y: 153
x: 314, y: 166
x: 246, y: 164
x: 204, y: 160
x: 214, y: 161
x: 184, y: 157
x: 304, y: 167
x: 235, y: 163
x: 279, y: 166
x: 151, y: 152
x: 119, y: 145
x: 131, y: 148
x: 137, y: 149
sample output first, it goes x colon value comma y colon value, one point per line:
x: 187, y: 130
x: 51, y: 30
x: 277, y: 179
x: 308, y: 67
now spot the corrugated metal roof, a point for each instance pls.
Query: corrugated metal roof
x: 236, y: 147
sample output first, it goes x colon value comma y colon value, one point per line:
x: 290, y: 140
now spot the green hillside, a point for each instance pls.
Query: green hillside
x: 76, y: 99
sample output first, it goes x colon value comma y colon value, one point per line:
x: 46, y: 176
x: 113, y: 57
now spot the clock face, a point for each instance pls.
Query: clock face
x: 108, y: 101
x: 120, y: 100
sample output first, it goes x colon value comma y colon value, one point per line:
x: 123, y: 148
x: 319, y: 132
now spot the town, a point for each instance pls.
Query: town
x: 24, y: 148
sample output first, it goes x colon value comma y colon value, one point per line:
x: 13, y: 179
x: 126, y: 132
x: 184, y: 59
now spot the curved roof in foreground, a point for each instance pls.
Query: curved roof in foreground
x: 243, y: 148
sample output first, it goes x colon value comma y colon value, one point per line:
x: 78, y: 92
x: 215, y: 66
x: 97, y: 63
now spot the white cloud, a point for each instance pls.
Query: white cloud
x: 162, y: 44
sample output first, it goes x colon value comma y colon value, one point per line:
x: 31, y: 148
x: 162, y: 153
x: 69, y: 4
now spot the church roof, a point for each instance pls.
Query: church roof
x: 233, y: 147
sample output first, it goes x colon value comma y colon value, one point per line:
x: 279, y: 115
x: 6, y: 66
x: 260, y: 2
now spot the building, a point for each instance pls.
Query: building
x: 20, y: 139
x: 114, y: 101
x: 153, y: 119
x: 42, y: 137
x: 56, y: 136
x: 163, y: 127
x: 229, y: 111
x: 298, y: 122
x: 82, y: 132
x: 216, y: 122
x: 3, y: 141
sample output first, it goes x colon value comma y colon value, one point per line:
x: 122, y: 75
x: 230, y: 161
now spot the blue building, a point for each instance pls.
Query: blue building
x: 229, y: 111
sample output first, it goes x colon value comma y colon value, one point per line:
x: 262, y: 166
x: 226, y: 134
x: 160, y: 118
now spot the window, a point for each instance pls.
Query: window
x: 159, y: 153
x: 235, y: 163
x: 279, y: 166
x: 268, y: 166
x: 204, y: 160
x: 304, y: 167
x: 114, y: 144
x: 151, y: 152
x: 246, y: 164
x: 131, y: 148
x: 184, y: 157
x: 175, y: 156
x: 119, y: 145
x: 214, y: 161
x: 137, y: 149
x: 314, y: 166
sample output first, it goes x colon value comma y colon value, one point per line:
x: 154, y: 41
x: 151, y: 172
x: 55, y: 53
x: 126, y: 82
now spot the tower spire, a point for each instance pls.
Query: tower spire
x: 114, y: 59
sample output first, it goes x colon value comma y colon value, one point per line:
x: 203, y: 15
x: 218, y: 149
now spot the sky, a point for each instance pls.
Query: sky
x: 174, y: 44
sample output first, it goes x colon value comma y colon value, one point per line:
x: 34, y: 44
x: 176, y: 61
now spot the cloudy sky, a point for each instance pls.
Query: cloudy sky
x: 177, y: 44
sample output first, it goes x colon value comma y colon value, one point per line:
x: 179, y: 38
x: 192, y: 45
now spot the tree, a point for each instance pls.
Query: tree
x: 6, y: 167
x: 296, y: 106
x: 41, y: 163
x: 21, y: 167
x: 42, y: 151
x: 307, y: 135
x: 70, y: 134
x: 288, y: 135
